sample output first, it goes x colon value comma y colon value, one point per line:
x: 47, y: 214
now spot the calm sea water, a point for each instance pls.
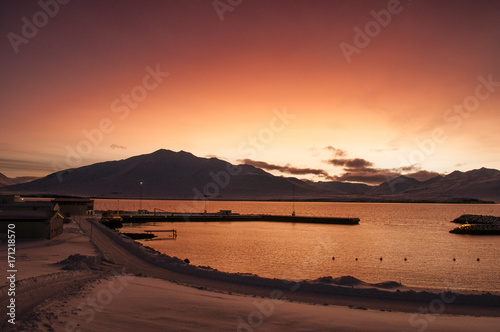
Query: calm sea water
x: 417, y: 232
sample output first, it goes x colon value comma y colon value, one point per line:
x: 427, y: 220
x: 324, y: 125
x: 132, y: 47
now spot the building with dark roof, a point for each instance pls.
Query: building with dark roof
x: 31, y: 219
x: 75, y: 206
x: 31, y: 224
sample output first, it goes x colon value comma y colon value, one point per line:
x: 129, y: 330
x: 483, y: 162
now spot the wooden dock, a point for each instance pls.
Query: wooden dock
x: 173, y: 231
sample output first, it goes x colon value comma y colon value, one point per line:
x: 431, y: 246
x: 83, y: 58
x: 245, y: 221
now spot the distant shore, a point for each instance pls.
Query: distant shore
x: 290, y: 200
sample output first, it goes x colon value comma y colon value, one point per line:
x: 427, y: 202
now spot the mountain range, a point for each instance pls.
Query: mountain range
x: 6, y: 181
x: 165, y: 174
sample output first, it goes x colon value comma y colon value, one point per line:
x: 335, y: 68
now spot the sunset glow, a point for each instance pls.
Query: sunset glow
x: 269, y: 83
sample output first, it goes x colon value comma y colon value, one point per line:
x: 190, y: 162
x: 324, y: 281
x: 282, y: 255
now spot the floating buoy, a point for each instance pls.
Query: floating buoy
x: 333, y: 258
x: 454, y: 259
x: 405, y: 259
x: 380, y: 258
x: 478, y: 259
x: 356, y: 258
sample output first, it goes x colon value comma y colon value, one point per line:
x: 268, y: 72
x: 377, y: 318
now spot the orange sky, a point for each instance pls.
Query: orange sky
x: 390, y: 104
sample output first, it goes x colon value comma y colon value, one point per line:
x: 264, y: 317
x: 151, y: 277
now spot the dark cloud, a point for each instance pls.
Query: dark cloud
x: 212, y: 156
x: 351, y: 163
x: 411, y: 168
x: 285, y: 169
x: 337, y: 152
x: 371, y: 176
x: 346, y: 162
x: 362, y: 170
x: 355, y: 170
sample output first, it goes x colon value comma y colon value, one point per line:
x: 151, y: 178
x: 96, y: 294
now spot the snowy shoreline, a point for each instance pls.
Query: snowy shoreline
x: 92, y: 293
x: 349, y: 286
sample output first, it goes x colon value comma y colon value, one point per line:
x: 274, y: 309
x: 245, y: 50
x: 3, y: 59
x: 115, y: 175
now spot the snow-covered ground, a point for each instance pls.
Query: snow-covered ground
x: 36, y: 257
x: 148, y: 304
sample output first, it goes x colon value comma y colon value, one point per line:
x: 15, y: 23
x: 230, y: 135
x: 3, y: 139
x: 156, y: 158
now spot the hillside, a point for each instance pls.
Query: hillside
x: 181, y: 175
x: 5, y: 181
x: 168, y: 174
x: 481, y: 184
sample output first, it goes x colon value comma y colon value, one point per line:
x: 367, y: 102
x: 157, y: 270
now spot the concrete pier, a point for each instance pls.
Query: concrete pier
x: 216, y: 217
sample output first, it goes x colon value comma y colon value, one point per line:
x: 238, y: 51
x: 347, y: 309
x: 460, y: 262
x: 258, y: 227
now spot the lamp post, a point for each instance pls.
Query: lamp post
x: 140, y: 201
x: 205, y: 196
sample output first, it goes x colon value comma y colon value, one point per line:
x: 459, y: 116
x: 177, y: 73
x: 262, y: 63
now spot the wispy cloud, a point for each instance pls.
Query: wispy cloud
x: 337, y: 152
x: 14, y: 164
x: 116, y: 146
x: 388, y: 149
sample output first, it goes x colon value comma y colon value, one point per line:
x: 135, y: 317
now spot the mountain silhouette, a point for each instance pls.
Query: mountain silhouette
x: 173, y: 175
x: 167, y: 174
x: 5, y: 181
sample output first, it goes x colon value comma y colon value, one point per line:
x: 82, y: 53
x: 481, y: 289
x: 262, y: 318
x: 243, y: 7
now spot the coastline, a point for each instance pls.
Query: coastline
x: 373, y: 199
x: 124, y: 259
x: 304, y: 291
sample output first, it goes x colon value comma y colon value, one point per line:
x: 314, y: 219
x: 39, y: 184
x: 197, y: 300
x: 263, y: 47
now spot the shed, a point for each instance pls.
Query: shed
x: 10, y: 198
x: 32, y: 223
x: 75, y: 206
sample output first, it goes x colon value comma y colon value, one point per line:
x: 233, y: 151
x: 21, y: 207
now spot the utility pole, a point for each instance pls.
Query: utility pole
x: 140, y: 201
x: 205, y: 196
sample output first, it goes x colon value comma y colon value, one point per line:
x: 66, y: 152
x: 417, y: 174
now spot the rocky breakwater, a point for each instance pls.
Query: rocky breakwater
x: 477, y: 225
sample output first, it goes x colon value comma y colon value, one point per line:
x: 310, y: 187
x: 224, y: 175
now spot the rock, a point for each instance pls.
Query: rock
x: 477, y: 225
x: 476, y: 219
